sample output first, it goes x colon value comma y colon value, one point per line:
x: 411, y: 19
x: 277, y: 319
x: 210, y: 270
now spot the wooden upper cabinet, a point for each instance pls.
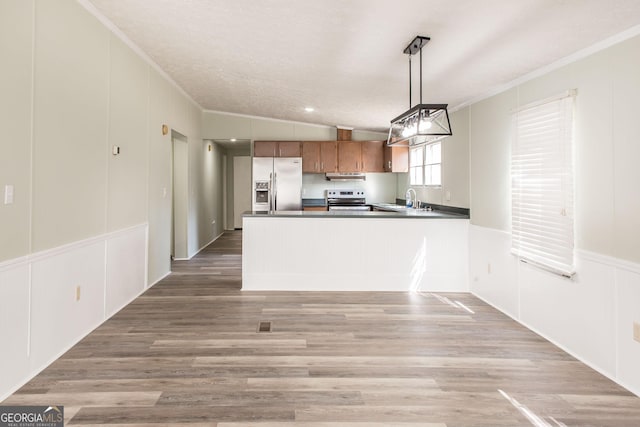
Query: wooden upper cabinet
x: 396, y: 159
x: 344, y: 134
x: 349, y: 156
x: 277, y: 149
x: 310, y: 157
x: 360, y: 156
x: 328, y: 156
x: 319, y: 156
x: 289, y: 149
x: 264, y: 148
x: 372, y: 156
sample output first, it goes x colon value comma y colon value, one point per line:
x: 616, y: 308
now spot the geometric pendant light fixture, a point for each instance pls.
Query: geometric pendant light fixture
x: 422, y: 123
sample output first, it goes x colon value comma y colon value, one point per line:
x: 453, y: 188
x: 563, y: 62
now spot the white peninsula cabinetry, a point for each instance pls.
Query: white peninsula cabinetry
x: 331, y: 253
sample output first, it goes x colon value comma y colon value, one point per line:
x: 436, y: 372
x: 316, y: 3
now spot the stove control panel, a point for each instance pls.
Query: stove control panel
x: 345, y: 194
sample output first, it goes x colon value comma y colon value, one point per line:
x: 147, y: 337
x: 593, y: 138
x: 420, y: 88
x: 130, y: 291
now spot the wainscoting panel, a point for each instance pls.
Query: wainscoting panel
x: 493, y: 271
x: 125, y: 268
x: 52, y: 299
x: 14, y: 325
x: 59, y: 318
x: 590, y: 316
x: 628, y: 310
x: 577, y: 313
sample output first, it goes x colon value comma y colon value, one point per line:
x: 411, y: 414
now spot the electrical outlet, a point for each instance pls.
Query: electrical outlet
x: 77, y: 293
x: 488, y: 268
x: 636, y: 331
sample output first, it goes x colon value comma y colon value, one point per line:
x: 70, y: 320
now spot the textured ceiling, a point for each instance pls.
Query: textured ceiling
x: 272, y: 58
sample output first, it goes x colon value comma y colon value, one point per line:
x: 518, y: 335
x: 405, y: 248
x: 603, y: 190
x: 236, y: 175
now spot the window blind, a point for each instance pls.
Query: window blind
x: 542, y: 184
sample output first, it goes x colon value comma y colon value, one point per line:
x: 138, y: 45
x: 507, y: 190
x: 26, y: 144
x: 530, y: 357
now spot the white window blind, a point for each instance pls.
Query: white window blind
x: 542, y: 184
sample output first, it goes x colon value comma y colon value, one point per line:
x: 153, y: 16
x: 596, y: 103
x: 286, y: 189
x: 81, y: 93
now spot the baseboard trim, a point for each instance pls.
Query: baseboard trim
x: 201, y: 248
x: 158, y: 280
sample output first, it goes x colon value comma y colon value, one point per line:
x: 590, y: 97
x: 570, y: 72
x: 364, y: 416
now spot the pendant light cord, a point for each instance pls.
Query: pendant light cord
x: 420, y: 75
x: 409, y: 81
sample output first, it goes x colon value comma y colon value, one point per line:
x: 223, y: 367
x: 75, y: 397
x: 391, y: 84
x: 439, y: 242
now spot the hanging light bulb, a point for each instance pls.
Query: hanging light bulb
x: 425, y: 124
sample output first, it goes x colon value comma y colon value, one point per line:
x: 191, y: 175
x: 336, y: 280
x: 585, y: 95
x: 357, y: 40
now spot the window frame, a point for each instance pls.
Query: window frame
x: 425, y: 165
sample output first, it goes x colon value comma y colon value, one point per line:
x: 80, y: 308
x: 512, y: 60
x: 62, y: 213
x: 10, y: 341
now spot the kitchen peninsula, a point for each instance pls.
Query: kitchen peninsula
x: 411, y: 250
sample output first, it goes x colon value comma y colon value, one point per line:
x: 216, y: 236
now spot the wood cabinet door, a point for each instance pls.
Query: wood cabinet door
x: 396, y: 159
x: 372, y: 156
x: 264, y: 148
x: 311, y: 158
x: 349, y: 156
x: 289, y: 149
x: 328, y: 156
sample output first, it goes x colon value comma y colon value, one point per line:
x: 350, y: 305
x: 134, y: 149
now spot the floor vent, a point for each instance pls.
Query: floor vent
x: 264, y: 327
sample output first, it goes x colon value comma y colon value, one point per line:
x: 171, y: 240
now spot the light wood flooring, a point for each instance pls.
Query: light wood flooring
x: 188, y: 352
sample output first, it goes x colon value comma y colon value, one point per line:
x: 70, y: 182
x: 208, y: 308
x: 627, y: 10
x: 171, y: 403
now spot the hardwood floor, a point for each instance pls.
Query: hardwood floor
x: 188, y: 352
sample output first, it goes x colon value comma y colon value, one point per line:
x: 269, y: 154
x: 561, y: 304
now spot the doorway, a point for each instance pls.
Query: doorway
x: 180, y: 192
x: 241, y: 189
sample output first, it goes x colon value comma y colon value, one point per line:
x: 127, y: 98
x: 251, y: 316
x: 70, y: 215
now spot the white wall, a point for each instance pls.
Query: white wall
x: 180, y: 195
x: 81, y: 215
x: 592, y: 315
x: 16, y: 41
x: 378, y: 187
x: 219, y: 125
x: 209, y: 193
x: 455, y: 168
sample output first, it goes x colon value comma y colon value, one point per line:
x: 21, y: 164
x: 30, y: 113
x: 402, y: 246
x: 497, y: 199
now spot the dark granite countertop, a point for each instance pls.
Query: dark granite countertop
x: 409, y: 213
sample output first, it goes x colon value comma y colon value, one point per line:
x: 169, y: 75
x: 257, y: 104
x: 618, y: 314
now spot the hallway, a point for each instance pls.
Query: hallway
x: 188, y: 352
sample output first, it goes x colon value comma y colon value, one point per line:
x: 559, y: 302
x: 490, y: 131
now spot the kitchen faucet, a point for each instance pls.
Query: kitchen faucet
x: 408, y: 200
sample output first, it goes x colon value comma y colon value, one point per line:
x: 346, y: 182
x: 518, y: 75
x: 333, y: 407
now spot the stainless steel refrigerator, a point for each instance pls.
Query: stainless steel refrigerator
x: 277, y: 183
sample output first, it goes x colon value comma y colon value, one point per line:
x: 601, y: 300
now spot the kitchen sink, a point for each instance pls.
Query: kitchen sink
x: 392, y: 207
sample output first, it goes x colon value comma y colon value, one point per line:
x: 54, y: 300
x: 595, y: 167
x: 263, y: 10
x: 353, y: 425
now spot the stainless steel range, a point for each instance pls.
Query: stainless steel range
x: 347, y: 200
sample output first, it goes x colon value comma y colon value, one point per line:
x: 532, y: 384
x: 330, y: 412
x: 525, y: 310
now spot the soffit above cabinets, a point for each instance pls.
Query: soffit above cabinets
x: 273, y: 58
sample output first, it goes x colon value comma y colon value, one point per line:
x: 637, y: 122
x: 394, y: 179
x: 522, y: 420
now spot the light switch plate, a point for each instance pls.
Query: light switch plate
x: 636, y: 331
x: 8, y: 194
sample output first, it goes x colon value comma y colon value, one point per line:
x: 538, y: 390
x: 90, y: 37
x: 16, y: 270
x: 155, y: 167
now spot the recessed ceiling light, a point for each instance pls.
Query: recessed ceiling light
x: 309, y: 109
x: 233, y: 140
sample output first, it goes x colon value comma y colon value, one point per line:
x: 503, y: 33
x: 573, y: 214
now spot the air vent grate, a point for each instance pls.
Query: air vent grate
x: 264, y: 327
